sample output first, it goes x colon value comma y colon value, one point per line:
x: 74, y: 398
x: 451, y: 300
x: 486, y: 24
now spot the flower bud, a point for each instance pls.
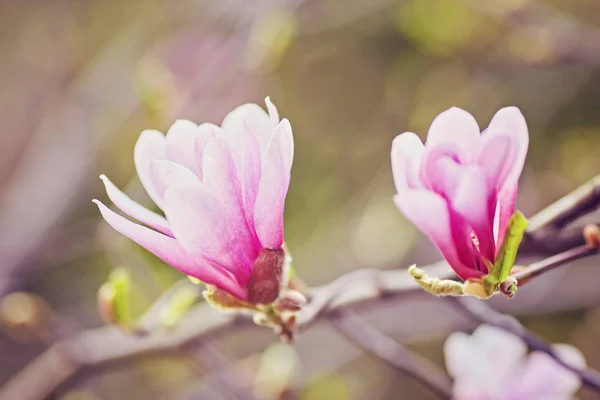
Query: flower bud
x: 25, y: 317
x: 265, y: 280
x: 509, y: 287
x: 291, y: 301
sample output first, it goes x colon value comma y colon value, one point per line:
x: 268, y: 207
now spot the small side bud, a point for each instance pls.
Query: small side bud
x: 25, y: 317
x: 114, y: 298
x: 509, y: 287
x: 291, y: 301
x: 591, y: 234
x: 106, y: 298
x: 265, y: 280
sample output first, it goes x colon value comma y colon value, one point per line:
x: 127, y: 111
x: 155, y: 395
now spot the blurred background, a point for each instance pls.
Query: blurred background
x: 82, y: 78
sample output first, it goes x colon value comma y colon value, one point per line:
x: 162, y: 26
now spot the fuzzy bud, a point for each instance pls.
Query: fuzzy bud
x: 509, y: 287
x: 291, y: 301
x: 265, y: 279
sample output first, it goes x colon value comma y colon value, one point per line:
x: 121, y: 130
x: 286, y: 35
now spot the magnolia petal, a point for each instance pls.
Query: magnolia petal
x: 543, y: 378
x: 287, y: 143
x: 201, y: 226
x: 274, y: 182
x: 273, y: 113
x: 150, y: 146
x: 441, y: 170
x: 485, y: 360
x: 180, y: 141
x: 509, y: 121
x: 221, y: 180
x: 134, y: 209
x: 407, y: 151
x: 472, y: 202
x: 204, y: 133
x: 457, y: 126
x: 429, y: 212
x: 253, y: 117
x: 169, y: 250
x: 496, y: 159
x: 166, y: 173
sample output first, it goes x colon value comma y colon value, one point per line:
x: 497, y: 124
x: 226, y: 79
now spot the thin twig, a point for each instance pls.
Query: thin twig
x: 224, y: 374
x: 482, y: 312
x: 582, y: 201
x: 548, y: 264
x: 548, y: 231
x: 110, y: 344
x: 385, y: 348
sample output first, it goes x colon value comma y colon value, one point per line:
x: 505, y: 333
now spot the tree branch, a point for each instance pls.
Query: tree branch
x: 385, y: 348
x: 109, y: 344
x: 548, y: 231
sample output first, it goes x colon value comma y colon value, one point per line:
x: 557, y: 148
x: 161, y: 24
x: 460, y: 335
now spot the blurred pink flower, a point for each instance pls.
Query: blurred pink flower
x: 222, y: 190
x: 460, y: 187
x: 492, y: 364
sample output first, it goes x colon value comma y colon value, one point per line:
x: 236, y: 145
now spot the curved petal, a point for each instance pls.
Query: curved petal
x: 287, y: 143
x: 509, y: 121
x: 204, y: 133
x: 168, y: 250
x: 274, y: 182
x: 273, y: 113
x: 543, y: 378
x: 407, y: 151
x: 134, y: 209
x: 468, y: 359
x: 221, y: 180
x: 429, y: 212
x: 472, y: 202
x: 166, y: 173
x: 457, y: 126
x: 496, y: 159
x: 255, y: 118
x: 441, y: 169
x: 150, y: 146
x: 202, y: 227
x: 180, y: 142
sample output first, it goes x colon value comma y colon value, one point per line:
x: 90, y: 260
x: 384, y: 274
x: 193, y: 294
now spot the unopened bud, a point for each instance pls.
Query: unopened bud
x: 509, y: 287
x: 292, y: 301
x: 265, y: 280
x: 106, y: 298
x: 591, y: 234
x: 24, y: 316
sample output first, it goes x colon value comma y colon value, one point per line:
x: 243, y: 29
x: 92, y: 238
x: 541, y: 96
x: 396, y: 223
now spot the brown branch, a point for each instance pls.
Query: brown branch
x: 480, y: 311
x: 399, y: 357
x: 550, y: 263
x: 548, y: 231
x: 110, y: 344
x: 223, y: 373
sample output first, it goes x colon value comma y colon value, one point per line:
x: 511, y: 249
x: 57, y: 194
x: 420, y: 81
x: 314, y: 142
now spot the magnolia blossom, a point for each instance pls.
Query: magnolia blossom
x: 222, y: 190
x: 460, y: 187
x: 492, y: 364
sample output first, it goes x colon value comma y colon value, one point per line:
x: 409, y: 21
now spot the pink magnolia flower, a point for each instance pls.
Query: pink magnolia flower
x: 222, y: 190
x: 492, y: 364
x: 460, y: 187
